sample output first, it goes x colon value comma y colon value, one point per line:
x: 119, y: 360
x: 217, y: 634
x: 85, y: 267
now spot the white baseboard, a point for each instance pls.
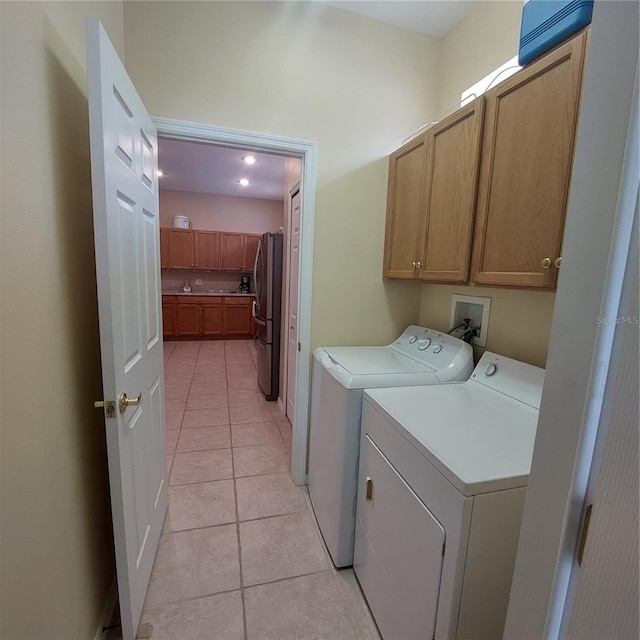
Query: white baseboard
x: 107, y: 611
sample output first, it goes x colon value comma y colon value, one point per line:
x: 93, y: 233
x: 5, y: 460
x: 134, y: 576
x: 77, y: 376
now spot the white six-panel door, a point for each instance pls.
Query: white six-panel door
x: 126, y: 228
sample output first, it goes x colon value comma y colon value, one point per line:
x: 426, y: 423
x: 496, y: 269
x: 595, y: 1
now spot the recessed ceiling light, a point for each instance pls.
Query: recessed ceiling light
x: 160, y: 173
x: 249, y: 159
x: 244, y: 182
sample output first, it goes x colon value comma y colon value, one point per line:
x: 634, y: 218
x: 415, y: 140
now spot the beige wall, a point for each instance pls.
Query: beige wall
x: 519, y: 324
x: 520, y: 321
x: 221, y: 213
x: 303, y: 70
x: 56, y: 543
x: 482, y: 41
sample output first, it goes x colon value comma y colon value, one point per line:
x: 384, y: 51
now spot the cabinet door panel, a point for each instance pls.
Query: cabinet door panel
x: 181, y: 254
x: 405, y: 209
x: 165, y: 242
x: 231, y: 251
x: 237, y: 320
x: 527, y: 155
x: 168, y: 316
x: 211, y: 320
x: 207, y: 245
x: 453, y: 159
x: 188, y: 319
x: 250, y: 250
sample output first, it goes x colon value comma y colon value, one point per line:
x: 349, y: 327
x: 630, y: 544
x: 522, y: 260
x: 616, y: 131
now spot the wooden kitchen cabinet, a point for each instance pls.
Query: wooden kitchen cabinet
x: 211, y: 317
x: 431, y: 200
x: 168, y: 316
x: 199, y: 317
x: 405, y: 209
x: 527, y: 155
x: 452, y: 163
x: 164, y: 248
x: 181, y: 249
x: 238, y: 251
x: 187, y: 317
x: 237, y: 320
x: 251, y: 243
x: 207, y: 250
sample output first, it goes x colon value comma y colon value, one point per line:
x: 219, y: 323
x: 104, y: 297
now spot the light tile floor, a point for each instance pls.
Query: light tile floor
x: 240, y: 556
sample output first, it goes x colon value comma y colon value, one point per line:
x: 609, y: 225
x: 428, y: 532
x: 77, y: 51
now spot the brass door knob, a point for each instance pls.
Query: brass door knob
x: 557, y: 262
x: 414, y: 264
x: 546, y: 263
x: 125, y: 401
x: 418, y: 265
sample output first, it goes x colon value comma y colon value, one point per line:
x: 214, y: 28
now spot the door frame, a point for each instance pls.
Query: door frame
x: 284, y: 391
x: 589, y: 287
x: 306, y: 151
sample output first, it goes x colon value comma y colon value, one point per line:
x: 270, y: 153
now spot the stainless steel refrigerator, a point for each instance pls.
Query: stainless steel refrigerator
x: 267, y: 278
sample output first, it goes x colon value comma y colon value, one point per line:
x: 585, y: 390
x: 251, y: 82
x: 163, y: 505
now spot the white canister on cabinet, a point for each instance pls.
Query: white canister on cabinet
x: 180, y: 222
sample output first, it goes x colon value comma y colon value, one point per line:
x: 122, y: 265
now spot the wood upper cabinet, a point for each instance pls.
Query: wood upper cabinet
x: 181, y: 249
x: 452, y: 163
x: 527, y: 155
x: 251, y: 243
x: 238, y: 251
x: 431, y: 200
x: 207, y: 250
x: 164, y: 248
x: 231, y: 251
x: 405, y: 209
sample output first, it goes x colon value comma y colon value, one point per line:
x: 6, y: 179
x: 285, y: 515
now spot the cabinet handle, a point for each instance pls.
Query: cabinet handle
x: 418, y: 265
x: 414, y: 264
x: 546, y: 263
x: 369, y: 492
x: 557, y: 262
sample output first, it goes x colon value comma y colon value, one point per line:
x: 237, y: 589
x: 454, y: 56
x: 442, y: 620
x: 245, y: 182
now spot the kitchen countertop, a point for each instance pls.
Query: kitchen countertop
x: 207, y: 292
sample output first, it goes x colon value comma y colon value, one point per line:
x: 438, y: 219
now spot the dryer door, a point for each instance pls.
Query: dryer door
x: 398, y: 550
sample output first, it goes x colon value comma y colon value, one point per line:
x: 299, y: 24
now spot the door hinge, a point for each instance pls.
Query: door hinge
x: 299, y: 347
x: 584, y: 533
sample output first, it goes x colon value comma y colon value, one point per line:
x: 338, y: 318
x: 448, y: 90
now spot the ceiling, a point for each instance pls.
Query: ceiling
x: 433, y: 17
x: 206, y: 168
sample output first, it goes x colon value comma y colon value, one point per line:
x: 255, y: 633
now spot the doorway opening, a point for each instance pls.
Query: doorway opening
x: 294, y: 379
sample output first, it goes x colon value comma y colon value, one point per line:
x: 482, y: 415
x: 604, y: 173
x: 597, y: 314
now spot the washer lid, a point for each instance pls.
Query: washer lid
x: 480, y: 439
x: 372, y: 360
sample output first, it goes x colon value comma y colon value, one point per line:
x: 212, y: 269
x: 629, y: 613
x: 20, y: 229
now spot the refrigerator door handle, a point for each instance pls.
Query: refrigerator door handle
x: 256, y: 283
x: 255, y: 316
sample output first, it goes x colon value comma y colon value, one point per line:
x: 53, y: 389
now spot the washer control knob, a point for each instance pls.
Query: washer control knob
x: 437, y: 348
x: 490, y: 369
x: 423, y: 344
x: 412, y: 339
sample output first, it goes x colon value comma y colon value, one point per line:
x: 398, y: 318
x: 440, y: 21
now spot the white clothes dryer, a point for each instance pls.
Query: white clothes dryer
x: 420, y: 356
x: 443, y: 477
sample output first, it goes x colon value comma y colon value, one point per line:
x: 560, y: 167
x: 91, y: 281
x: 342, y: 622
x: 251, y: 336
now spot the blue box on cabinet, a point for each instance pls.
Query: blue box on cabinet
x: 547, y: 23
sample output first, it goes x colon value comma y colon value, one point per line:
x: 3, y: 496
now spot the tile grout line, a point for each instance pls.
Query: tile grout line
x: 235, y: 498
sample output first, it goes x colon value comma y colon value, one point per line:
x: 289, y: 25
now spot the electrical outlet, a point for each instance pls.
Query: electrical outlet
x: 198, y: 281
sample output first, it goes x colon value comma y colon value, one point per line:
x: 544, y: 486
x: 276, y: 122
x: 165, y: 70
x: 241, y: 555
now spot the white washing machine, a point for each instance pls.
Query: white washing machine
x: 443, y: 477
x: 419, y: 356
